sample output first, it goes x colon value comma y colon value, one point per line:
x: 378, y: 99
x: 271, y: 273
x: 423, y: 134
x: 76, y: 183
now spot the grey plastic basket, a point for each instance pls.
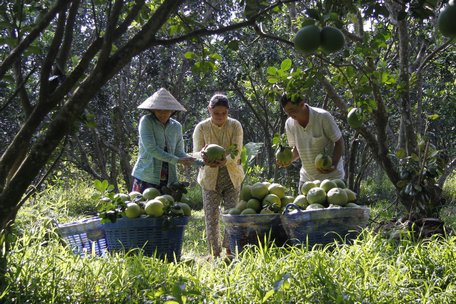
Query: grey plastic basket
x: 323, y: 226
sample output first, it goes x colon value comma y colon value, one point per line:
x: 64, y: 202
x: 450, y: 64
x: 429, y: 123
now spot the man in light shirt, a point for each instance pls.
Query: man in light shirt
x: 311, y: 131
x: 221, y: 180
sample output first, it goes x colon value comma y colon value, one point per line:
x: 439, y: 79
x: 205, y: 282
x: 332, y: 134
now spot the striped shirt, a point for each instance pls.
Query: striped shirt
x: 158, y: 144
x: 320, y: 133
x: 208, y: 133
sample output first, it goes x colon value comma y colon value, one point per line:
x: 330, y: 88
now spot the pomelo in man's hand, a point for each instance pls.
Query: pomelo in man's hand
x: 214, y: 152
x: 323, y: 161
x: 284, y: 155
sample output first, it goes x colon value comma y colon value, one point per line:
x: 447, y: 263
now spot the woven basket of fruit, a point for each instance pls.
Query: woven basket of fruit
x: 153, y: 221
x: 156, y: 236
x: 321, y: 226
x: 85, y: 236
x: 253, y: 229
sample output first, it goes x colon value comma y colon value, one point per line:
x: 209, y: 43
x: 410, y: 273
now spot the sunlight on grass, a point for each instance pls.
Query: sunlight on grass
x: 43, y: 269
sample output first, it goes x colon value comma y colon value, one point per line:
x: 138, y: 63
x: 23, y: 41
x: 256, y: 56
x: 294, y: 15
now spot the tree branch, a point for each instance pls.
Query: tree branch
x: 34, y: 33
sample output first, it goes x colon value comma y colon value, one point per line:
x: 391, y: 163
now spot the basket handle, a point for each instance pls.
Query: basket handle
x: 292, y: 207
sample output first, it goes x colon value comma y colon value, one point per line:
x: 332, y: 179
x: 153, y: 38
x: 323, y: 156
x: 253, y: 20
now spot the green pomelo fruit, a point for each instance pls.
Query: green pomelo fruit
x: 327, y: 185
x: 352, y: 205
x: 316, y: 196
x: 133, y: 210
x: 272, y: 199
x: 134, y: 194
x: 245, y: 193
x: 323, y: 161
x: 340, y: 183
x: 284, y: 155
x: 306, y: 186
x: 351, y: 195
x: 266, y: 183
x: 154, y: 208
x: 241, y: 205
x: 186, y: 200
x: 337, y: 196
x: 355, y: 118
x: 253, y: 204
x: 277, y: 189
x: 331, y: 39
x: 234, y: 211
x: 186, y: 208
x: 214, y: 152
x: 307, y: 39
x: 249, y: 211
x: 165, y: 199
x: 266, y: 211
x: 315, y: 206
x: 169, y: 198
x: 259, y: 190
x: 301, y: 201
x: 151, y: 193
x: 177, y: 210
x: 447, y: 21
x: 317, y: 182
x: 287, y: 199
x: 124, y: 197
x: 332, y: 206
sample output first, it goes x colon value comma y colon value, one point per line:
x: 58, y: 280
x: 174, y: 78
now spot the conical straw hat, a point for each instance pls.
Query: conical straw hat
x: 162, y: 100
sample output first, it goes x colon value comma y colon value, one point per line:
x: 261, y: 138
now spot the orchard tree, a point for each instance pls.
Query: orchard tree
x: 50, y: 78
x: 392, y: 71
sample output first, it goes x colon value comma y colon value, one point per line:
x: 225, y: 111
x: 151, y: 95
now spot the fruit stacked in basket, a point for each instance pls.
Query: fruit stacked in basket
x: 168, y: 201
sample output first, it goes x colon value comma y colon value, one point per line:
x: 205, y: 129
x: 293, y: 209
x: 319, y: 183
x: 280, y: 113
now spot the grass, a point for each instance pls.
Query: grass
x: 372, y: 270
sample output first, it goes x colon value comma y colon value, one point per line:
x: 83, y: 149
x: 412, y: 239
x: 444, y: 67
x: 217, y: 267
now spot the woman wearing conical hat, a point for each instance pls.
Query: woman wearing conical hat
x: 161, y: 143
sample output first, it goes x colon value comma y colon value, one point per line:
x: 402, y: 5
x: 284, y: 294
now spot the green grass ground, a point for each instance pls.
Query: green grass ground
x: 372, y: 270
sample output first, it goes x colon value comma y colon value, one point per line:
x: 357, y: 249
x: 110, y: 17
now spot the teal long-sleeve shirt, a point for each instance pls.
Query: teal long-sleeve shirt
x: 153, y: 137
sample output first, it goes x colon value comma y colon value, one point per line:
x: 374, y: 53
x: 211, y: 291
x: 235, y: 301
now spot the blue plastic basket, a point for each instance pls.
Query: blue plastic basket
x: 156, y: 236
x: 323, y: 226
x: 85, y: 236
x: 253, y: 228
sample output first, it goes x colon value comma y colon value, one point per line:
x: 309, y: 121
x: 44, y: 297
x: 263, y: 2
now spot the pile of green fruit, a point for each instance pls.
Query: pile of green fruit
x: 151, y: 203
x: 328, y: 193
x: 261, y: 198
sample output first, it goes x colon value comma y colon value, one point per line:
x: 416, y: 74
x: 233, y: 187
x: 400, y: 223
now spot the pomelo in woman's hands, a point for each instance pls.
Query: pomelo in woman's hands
x: 214, y: 153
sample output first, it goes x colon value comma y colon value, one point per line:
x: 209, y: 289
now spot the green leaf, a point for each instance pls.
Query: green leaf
x: 215, y: 56
x: 190, y: 55
x: 433, y: 116
x: 234, y: 45
x: 272, y: 71
x: 272, y: 80
x: 268, y: 294
x: 401, y: 153
x: 286, y: 64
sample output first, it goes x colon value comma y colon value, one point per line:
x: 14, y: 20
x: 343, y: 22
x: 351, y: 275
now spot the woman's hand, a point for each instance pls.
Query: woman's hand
x: 213, y: 164
x: 186, y: 161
